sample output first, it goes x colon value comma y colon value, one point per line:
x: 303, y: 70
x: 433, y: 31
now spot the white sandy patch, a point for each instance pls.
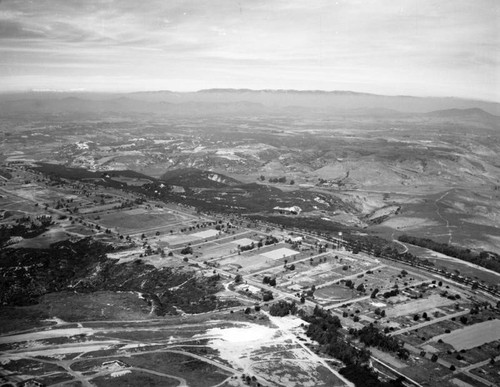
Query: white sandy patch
x: 251, y: 288
x: 179, y: 239
x: 125, y: 253
x: 57, y: 320
x: 48, y: 334
x: 244, y: 242
x: 378, y: 304
x: 280, y: 253
x: 236, y: 344
x: 120, y: 373
x: 206, y: 234
x: 228, y: 154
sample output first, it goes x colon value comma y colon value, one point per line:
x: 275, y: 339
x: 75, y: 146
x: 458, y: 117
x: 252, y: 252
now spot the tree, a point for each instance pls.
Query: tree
x: 282, y: 308
x: 267, y: 295
x: 403, y: 353
x: 382, y: 314
x: 416, y: 317
x: 238, y: 278
x: 187, y: 250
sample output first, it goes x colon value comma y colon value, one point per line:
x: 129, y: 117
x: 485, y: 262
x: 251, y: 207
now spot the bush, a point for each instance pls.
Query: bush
x: 187, y: 250
x: 282, y: 308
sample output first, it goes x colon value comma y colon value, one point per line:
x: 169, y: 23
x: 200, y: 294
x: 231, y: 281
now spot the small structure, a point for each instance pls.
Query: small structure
x: 33, y: 383
x: 114, y: 364
x: 294, y: 210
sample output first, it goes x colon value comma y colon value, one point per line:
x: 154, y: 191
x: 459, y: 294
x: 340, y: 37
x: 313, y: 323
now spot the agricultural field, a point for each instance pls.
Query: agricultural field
x: 140, y: 220
x: 417, y: 306
x: 472, y: 336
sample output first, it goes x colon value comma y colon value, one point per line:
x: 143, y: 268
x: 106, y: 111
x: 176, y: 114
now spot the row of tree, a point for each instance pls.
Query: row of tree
x: 485, y: 259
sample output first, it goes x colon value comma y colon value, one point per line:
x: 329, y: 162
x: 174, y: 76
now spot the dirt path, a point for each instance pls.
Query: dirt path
x: 438, y: 213
x: 399, y: 243
x: 427, y: 323
x: 312, y: 356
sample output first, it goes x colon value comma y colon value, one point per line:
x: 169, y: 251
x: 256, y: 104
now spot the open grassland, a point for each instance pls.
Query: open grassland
x: 70, y: 306
x: 131, y: 378
x: 138, y: 219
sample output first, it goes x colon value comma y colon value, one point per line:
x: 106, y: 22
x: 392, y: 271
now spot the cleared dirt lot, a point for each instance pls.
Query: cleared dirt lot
x: 418, y: 306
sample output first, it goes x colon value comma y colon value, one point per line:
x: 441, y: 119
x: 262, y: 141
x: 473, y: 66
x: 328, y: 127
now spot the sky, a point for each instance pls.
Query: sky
x: 393, y: 47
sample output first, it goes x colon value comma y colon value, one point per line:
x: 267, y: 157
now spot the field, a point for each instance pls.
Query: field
x: 472, y: 336
x: 454, y: 264
x: 334, y: 293
x: 280, y: 253
x: 135, y: 220
x: 418, y: 306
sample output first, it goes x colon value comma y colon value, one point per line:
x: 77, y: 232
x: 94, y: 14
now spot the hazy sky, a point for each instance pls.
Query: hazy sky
x: 413, y: 47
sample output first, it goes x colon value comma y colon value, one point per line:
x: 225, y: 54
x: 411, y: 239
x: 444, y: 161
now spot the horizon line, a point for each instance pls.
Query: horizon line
x: 226, y: 89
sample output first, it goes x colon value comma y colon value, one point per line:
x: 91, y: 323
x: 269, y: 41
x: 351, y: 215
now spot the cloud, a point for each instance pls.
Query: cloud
x: 10, y: 29
x: 286, y: 43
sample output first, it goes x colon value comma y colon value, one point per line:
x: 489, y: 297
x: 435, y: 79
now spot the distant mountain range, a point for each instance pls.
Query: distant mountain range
x: 245, y: 101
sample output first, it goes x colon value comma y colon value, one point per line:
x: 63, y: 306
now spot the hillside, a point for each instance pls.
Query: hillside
x: 232, y: 101
x: 192, y: 177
